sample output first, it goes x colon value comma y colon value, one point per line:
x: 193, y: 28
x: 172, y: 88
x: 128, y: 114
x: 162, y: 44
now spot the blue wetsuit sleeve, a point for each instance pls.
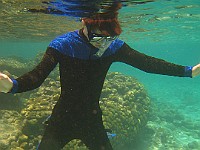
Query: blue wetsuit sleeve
x: 151, y: 64
x: 188, y: 71
x: 15, y: 86
x: 35, y: 78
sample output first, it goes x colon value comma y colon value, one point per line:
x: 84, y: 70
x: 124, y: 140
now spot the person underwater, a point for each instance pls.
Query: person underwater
x: 84, y: 57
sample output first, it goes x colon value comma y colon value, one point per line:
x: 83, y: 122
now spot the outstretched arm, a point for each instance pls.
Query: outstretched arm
x: 32, y: 79
x: 196, y: 70
x: 151, y: 64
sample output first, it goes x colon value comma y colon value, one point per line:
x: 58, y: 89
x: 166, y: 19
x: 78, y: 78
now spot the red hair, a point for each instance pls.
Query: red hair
x: 106, y: 21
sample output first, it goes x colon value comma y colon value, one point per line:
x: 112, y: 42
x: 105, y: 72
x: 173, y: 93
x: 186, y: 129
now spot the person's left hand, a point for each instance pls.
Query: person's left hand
x: 6, y: 83
x: 196, y: 70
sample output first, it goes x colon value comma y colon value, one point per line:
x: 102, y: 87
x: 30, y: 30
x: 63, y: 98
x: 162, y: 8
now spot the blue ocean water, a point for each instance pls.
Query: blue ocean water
x: 167, y: 29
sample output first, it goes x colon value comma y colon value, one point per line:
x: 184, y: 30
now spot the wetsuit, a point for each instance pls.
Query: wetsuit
x: 77, y: 114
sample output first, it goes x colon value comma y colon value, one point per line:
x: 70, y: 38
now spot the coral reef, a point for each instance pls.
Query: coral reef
x: 169, y: 127
x: 10, y: 128
x: 125, y: 107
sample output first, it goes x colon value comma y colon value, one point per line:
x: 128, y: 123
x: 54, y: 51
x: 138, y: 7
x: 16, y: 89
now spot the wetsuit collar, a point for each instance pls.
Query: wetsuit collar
x: 83, y: 35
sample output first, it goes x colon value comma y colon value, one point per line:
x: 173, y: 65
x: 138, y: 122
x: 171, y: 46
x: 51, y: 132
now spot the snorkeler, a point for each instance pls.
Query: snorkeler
x: 84, y: 57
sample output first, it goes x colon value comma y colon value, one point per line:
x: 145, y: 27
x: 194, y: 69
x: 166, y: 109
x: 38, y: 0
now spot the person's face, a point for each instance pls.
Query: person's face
x: 97, y: 35
x: 100, y: 38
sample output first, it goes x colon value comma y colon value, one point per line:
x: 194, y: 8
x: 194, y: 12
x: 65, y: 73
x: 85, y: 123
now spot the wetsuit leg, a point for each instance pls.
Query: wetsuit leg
x: 98, y: 143
x: 54, y: 138
x: 95, y: 138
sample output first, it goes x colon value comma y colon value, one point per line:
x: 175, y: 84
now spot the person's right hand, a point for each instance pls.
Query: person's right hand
x: 196, y: 70
x: 6, y: 83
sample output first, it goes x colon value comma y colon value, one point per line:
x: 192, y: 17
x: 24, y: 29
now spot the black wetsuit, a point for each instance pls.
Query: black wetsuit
x: 77, y: 113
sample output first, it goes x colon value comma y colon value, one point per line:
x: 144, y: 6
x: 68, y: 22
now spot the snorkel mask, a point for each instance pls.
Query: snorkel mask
x: 100, y: 41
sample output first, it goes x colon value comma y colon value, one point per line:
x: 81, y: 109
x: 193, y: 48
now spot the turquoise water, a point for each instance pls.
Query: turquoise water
x: 167, y: 29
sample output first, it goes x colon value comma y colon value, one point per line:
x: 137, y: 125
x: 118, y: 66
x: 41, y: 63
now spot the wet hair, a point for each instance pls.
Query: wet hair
x: 105, y: 21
